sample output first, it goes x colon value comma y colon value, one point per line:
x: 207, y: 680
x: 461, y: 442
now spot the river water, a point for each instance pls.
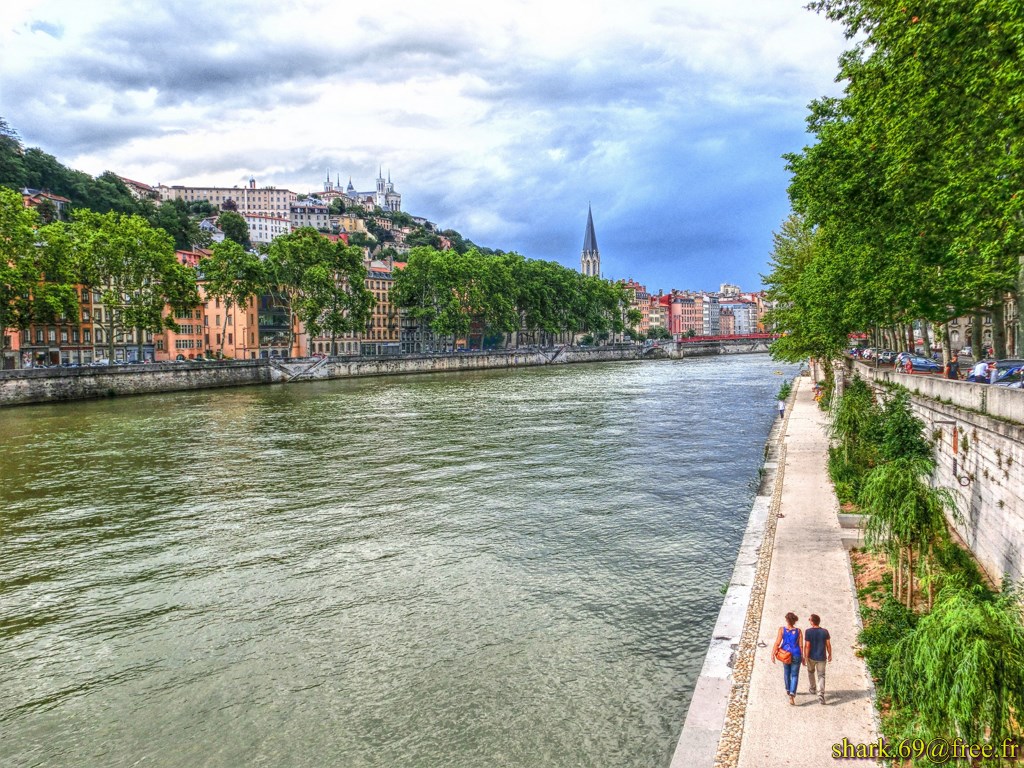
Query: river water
x: 514, y: 568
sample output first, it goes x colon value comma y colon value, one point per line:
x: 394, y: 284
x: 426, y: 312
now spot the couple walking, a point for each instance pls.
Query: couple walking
x: 794, y: 647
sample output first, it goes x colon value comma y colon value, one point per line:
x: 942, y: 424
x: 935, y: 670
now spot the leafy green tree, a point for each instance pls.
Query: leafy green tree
x: 322, y: 283
x: 173, y: 217
x: 960, y: 672
x: 36, y: 283
x: 235, y: 228
x: 913, y: 180
x: 202, y: 208
x: 337, y: 300
x: 809, y: 291
x: 906, y: 517
x: 133, y: 267
x: 233, y: 275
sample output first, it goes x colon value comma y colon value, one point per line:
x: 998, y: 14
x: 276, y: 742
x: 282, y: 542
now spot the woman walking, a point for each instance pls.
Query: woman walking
x: 787, y: 651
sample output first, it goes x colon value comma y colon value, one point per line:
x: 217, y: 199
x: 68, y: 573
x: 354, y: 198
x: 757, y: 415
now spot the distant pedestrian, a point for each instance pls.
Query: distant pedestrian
x: 979, y: 373
x: 782, y: 408
x: 786, y: 650
x: 817, y: 652
x: 909, y: 364
x: 953, y: 368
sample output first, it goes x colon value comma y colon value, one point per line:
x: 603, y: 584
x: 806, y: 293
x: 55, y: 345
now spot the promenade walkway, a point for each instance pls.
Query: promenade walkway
x: 809, y: 573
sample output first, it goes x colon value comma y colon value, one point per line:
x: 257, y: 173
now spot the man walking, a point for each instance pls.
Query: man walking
x: 782, y: 408
x: 817, y: 650
x: 953, y: 368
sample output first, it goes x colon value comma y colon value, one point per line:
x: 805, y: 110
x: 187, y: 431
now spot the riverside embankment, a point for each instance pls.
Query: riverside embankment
x: 792, y: 559
x: 22, y: 387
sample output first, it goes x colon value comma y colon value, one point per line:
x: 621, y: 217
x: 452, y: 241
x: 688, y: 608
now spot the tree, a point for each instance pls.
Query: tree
x: 323, y: 284
x: 233, y: 275
x: 337, y: 300
x: 913, y: 181
x: 36, y: 284
x: 235, y: 228
x: 173, y: 217
x: 906, y: 516
x: 133, y: 267
x: 809, y: 291
x: 960, y: 672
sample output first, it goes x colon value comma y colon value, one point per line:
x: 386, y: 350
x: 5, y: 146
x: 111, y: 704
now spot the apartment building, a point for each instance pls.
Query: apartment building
x: 263, y: 229
x: 310, y: 213
x: 264, y: 201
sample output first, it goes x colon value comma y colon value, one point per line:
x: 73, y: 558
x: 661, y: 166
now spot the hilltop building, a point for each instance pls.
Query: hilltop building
x: 384, y: 196
x: 590, y: 259
x: 261, y: 201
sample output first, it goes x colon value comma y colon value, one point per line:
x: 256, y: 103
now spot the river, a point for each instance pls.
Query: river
x: 514, y: 568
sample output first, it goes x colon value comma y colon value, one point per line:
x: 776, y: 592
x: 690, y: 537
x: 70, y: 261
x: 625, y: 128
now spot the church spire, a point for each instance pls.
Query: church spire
x: 590, y: 258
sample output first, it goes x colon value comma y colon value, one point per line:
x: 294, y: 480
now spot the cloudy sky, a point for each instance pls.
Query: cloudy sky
x: 502, y: 120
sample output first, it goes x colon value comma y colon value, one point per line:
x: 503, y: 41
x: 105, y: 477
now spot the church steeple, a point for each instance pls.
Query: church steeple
x: 590, y: 259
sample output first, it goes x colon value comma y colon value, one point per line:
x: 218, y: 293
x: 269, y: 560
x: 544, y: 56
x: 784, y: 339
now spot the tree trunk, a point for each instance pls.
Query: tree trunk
x: 977, y: 324
x: 110, y: 335
x: 141, y: 336
x: 911, y: 346
x: 898, y: 581
x: 946, y: 350
x: 998, y: 327
x: 910, y: 579
x: 224, y: 329
x: 1019, y: 335
x: 926, y: 337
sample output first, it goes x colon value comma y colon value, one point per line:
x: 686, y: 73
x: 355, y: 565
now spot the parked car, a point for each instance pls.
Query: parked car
x: 923, y: 365
x: 100, y: 361
x: 1011, y: 377
x: 1008, y: 372
x: 886, y: 356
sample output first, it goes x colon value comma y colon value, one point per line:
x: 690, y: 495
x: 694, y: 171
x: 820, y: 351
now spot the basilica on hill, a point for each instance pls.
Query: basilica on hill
x: 384, y: 196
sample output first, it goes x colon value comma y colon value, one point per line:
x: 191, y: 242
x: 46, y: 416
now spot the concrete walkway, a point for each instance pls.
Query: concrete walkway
x: 810, y: 573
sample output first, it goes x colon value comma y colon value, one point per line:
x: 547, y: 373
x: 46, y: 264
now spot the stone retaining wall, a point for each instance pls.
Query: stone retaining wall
x: 986, y: 471
x: 25, y: 386
x: 21, y: 387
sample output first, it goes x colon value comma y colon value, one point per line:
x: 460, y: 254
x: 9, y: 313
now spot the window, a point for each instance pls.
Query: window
x: 39, y: 335
x: 63, y: 336
x: 74, y: 336
x: 87, y: 336
x: 231, y: 320
x: 85, y: 315
x: 51, y: 335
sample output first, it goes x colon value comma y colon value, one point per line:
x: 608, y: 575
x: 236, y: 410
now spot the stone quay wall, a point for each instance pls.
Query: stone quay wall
x: 983, y: 465
x: 26, y: 386
x: 45, y: 385
x: 32, y: 385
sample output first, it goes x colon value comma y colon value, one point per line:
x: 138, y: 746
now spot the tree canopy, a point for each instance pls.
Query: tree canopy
x: 913, y: 186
